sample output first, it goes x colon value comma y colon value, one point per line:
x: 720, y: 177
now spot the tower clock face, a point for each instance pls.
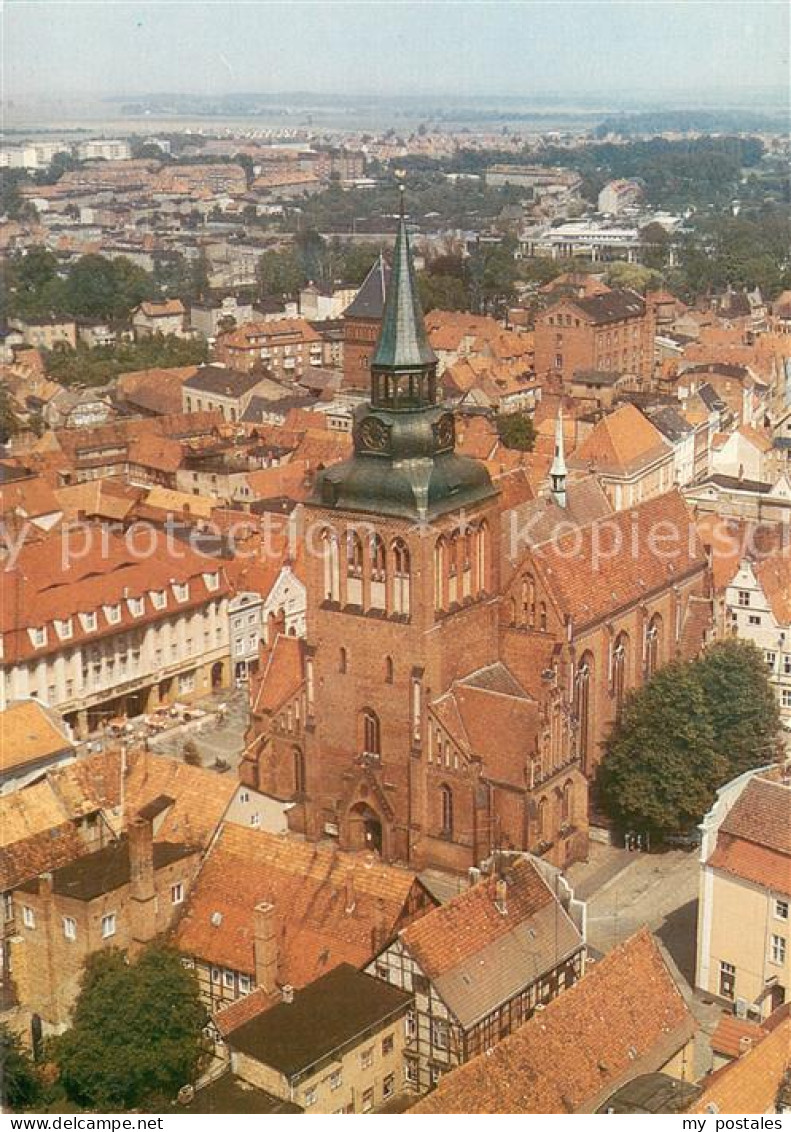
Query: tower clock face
x: 445, y: 431
x: 374, y: 435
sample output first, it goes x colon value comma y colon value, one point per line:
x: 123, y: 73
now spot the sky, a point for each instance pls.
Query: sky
x: 55, y: 48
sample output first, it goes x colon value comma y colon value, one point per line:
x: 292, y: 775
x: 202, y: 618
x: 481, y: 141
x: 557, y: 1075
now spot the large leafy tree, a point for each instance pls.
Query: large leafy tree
x: 741, y: 704
x: 661, y: 767
x: 20, y: 1085
x: 102, y: 364
x: 691, y: 728
x: 137, y: 1032
x: 516, y: 430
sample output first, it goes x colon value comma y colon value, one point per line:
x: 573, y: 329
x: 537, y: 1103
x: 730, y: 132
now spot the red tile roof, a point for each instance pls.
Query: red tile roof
x: 283, y: 675
x: 751, y: 1084
x: 762, y: 813
x: 625, y: 1017
x: 640, y: 551
x: 622, y: 443
x: 332, y: 907
x: 734, y: 1036
x: 754, y: 840
x: 466, y: 925
x: 53, y: 579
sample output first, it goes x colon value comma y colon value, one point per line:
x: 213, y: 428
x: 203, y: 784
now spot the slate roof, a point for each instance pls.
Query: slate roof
x: 612, y: 306
x: 222, y: 381
x: 334, y: 1012
x: 670, y: 423
x: 403, y: 342
x: 733, y: 483
x: 106, y: 870
x: 229, y: 1094
x: 369, y: 302
x: 652, y: 1093
x: 477, y: 956
x: 624, y: 1018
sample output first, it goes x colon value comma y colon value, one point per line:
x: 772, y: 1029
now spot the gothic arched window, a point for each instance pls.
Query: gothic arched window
x: 371, y: 735
x: 332, y: 573
x: 354, y: 568
x: 446, y: 801
x: 440, y: 561
x: 582, y: 706
x: 299, y: 771
x: 378, y: 573
x: 620, y: 668
x: 401, y: 578
x: 653, y: 645
x: 482, y: 558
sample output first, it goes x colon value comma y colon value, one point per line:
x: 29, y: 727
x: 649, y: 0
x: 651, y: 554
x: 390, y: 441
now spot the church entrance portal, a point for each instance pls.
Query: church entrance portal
x: 365, y: 828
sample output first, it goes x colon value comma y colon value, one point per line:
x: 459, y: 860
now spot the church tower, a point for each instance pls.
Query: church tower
x: 402, y: 544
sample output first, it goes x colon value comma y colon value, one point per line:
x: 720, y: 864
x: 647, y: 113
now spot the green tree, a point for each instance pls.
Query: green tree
x: 20, y: 1084
x: 443, y: 292
x: 516, y: 430
x: 661, y: 767
x: 97, y: 287
x: 356, y: 260
x: 741, y: 704
x: 690, y: 729
x: 98, y: 366
x: 280, y: 274
x: 632, y: 275
x: 655, y: 246
x: 137, y: 1031
x: 12, y: 204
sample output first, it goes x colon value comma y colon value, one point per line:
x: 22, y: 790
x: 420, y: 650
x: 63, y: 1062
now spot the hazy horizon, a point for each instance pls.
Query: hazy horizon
x: 542, y: 49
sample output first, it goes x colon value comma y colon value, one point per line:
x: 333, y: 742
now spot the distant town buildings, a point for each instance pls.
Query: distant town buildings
x: 617, y: 196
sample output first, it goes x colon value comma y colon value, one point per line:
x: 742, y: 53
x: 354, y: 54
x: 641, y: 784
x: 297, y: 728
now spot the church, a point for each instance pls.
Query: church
x: 432, y: 712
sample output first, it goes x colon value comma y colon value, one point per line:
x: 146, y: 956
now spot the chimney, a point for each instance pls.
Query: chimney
x: 265, y: 947
x: 380, y: 932
x: 287, y: 994
x: 501, y: 897
x: 142, y: 894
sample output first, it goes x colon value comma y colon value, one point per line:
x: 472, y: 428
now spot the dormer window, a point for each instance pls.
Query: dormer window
x: 88, y: 622
x: 64, y: 628
x: 159, y: 599
x: 135, y: 606
x: 212, y: 581
x: 113, y: 614
x: 181, y: 591
x: 38, y: 637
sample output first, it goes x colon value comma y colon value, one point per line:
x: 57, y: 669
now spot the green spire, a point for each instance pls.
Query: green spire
x: 403, y: 343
